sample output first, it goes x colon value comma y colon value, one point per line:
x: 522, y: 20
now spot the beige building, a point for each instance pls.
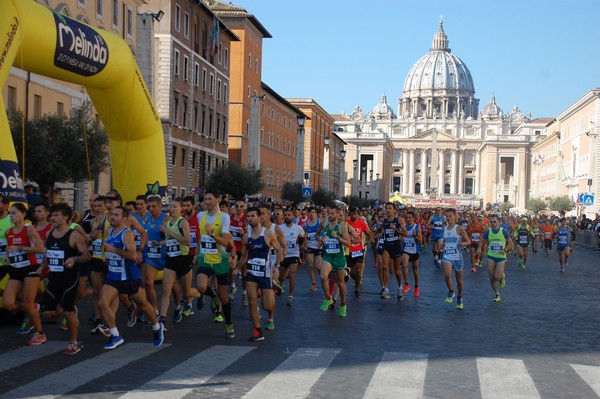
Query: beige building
x: 567, y: 160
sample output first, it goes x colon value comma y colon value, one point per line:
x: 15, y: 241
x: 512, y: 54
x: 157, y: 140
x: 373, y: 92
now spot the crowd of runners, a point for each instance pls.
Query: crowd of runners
x: 115, y: 251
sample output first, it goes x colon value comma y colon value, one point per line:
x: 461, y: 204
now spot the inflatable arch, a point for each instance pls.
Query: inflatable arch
x: 37, y: 39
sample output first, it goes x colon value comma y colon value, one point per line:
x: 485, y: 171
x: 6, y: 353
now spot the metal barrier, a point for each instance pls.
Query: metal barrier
x: 586, y: 239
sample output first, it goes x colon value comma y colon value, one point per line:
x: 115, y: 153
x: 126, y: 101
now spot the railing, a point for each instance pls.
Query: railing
x: 587, y: 239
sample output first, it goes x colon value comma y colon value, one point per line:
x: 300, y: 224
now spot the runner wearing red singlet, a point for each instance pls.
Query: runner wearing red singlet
x: 191, y: 215
x: 237, y: 229
x: 356, y: 257
x: 476, y: 229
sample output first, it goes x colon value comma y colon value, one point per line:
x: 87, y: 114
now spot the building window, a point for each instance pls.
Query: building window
x: 37, y: 107
x: 183, y: 157
x: 218, y: 128
x: 210, y: 125
x: 175, y: 108
x: 196, y: 74
x: 225, y: 93
x: 195, y: 127
x: 248, y: 91
x: 174, y: 156
x: 212, y: 84
x: 219, y: 55
x: 193, y: 159
x: 418, y: 188
x: 186, y: 24
x: 256, y: 65
x: 250, y: 61
x: 226, y: 58
x: 129, y: 23
x: 115, y: 14
x: 186, y: 62
x: 203, y: 121
x: 218, y: 89
x: 60, y: 109
x: 99, y: 8
x: 204, y: 80
x: 185, y: 116
x: 176, y: 63
x: 177, y: 18
x: 11, y: 104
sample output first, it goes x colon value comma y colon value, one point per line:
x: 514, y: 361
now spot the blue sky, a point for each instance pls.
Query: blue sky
x: 541, y: 55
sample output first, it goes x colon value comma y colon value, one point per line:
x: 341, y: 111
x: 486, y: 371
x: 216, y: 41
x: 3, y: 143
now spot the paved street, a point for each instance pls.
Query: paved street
x: 542, y: 340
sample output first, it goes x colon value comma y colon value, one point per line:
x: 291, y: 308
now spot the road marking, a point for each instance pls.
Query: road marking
x: 26, y: 354
x: 190, y: 374
x: 505, y: 378
x: 295, y: 376
x: 67, y: 379
x: 398, y: 375
x: 590, y: 374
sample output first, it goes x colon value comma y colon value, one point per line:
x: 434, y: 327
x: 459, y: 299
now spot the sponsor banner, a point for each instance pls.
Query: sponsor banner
x: 79, y: 48
x: 11, y: 183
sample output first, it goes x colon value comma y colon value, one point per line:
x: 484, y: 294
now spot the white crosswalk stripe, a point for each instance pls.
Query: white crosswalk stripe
x: 398, y: 375
x: 61, y: 382
x: 296, y: 375
x: 182, y: 379
x: 505, y: 378
x: 590, y: 374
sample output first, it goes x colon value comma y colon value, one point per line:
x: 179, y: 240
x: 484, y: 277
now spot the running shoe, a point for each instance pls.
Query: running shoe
x: 100, y: 328
x: 523, y: 266
x: 497, y: 298
x: 400, y: 295
x: 313, y: 287
x: 520, y: 263
x: 114, y: 342
x: 562, y: 269
x: 503, y: 281
x: 459, y: 303
x: 566, y: 261
x: 63, y: 324
x: 37, y: 339
x: 332, y: 306
x: 229, y: 331
x: 200, y: 303
x: 257, y: 336
x: 219, y: 318
x: 326, y: 303
x: 479, y: 264
x: 244, y: 300
x: 232, y: 291
x: 159, y: 335
x: 132, y: 315
x: 73, y: 348
x: 406, y: 288
x: 473, y: 269
x: 143, y: 319
x: 214, y: 304
x: 26, y: 327
x: 438, y: 264
x: 416, y: 292
x: 178, y: 315
x: 188, y: 310
x: 347, y: 275
x: 342, y: 311
x: 385, y: 294
x: 269, y: 325
x: 449, y: 297
x: 290, y: 301
x: 357, y: 293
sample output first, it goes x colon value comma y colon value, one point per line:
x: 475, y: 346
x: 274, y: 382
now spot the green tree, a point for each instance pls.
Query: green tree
x: 358, y: 201
x: 536, y: 205
x: 561, y: 204
x: 235, y: 180
x: 505, y: 206
x: 323, y: 197
x: 292, y: 191
x: 55, y: 149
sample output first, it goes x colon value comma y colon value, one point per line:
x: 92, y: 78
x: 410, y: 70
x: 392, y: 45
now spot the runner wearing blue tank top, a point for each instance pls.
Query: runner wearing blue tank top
x: 455, y: 238
x: 563, y: 243
x: 436, y: 224
x: 314, y: 252
x: 256, y: 253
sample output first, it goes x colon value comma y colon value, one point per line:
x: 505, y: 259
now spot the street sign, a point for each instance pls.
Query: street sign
x: 586, y: 199
x: 306, y: 192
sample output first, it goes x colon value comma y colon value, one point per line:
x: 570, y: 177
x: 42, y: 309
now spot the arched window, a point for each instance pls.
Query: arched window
x: 447, y: 188
x: 418, y: 188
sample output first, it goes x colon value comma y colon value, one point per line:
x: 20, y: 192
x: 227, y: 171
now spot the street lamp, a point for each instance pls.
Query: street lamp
x: 326, y: 141
x: 300, y: 159
x: 155, y: 16
x: 342, y: 187
x: 355, y: 183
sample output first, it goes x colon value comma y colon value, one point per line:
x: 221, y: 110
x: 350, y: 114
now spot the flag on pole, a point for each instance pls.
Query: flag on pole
x: 215, y: 39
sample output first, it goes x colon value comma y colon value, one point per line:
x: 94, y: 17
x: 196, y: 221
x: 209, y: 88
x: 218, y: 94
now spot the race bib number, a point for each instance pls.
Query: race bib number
x: 19, y: 259
x: 496, y: 247
x: 115, y: 262
x: 193, y: 243
x: 332, y: 246
x: 3, y: 245
x: 257, y: 267
x: 357, y: 254
x: 173, y: 248
x: 390, y: 235
x: 97, y: 248
x: 562, y: 240
x: 523, y: 239
x: 235, y: 233
x: 153, y: 251
x: 475, y: 237
x: 56, y: 260
x: 291, y: 245
x: 450, y: 251
x: 138, y: 238
x: 209, y: 245
x: 547, y: 234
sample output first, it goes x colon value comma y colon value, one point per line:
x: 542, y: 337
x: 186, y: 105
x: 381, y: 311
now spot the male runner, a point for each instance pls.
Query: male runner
x: 523, y: 236
x: 436, y: 224
x: 357, y: 250
x: 294, y: 236
x: 314, y: 252
x: 392, y: 228
x: 563, y: 243
x: 455, y: 238
x: 499, y: 244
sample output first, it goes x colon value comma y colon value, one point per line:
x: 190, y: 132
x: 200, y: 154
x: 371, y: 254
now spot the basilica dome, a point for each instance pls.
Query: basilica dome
x: 436, y: 81
x: 491, y: 110
x: 383, y: 110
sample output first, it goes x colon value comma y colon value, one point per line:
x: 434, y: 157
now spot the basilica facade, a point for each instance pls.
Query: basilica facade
x: 437, y: 147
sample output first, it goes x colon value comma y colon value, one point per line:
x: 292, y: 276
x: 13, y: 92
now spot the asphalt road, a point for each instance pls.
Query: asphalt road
x: 542, y: 340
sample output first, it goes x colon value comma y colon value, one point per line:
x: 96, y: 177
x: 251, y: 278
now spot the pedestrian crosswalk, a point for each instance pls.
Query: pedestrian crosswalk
x: 293, y: 375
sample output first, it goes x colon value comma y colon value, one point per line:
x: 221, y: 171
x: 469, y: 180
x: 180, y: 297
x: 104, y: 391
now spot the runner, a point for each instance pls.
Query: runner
x: 357, y: 250
x: 436, y: 224
x: 499, y: 244
x: 548, y: 232
x: 455, y: 238
x: 256, y: 250
x: 124, y: 277
x: 294, y: 237
x: 276, y: 258
x: 5, y: 224
x: 392, y: 229
x: 410, y: 250
x: 475, y: 231
x: 190, y: 214
x: 213, y: 226
x: 23, y: 243
x: 65, y: 250
x: 522, y: 236
x: 237, y: 229
x: 314, y: 252
x: 100, y: 229
x: 333, y: 260
x: 564, y: 243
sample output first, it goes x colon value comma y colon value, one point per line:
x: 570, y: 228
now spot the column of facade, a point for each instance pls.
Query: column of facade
x: 423, y: 170
x: 453, y: 167
x: 461, y: 173
x: 405, y: 167
x: 442, y: 172
x: 411, y: 176
x: 477, y: 171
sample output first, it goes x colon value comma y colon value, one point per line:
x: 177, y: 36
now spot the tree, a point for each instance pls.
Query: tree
x: 358, y: 201
x: 292, y: 191
x: 505, y: 206
x: 561, y: 204
x: 235, y: 180
x: 536, y: 205
x: 323, y: 197
x: 55, y: 149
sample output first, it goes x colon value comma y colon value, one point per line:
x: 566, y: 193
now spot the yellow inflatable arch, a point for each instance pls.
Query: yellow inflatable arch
x: 42, y: 41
